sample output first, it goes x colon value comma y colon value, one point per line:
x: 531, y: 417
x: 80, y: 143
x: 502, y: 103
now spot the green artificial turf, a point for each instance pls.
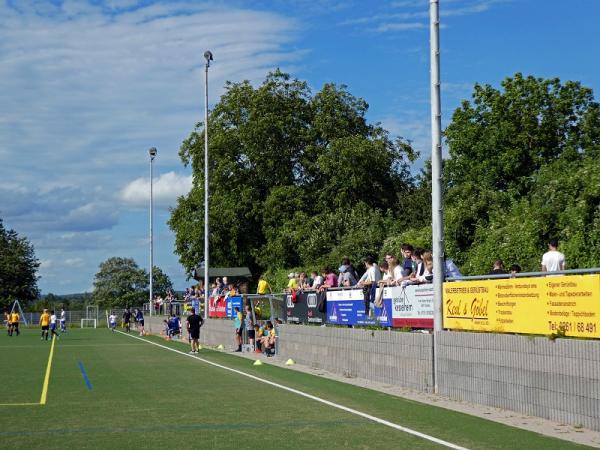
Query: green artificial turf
x: 139, y: 395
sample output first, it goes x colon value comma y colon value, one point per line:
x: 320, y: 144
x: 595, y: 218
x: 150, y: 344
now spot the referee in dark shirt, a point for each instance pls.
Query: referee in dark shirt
x: 194, y: 322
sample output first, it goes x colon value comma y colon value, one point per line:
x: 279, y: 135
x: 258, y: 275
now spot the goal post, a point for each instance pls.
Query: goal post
x: 89, y: 323
x: 17, y: 307
x: 91, y: 312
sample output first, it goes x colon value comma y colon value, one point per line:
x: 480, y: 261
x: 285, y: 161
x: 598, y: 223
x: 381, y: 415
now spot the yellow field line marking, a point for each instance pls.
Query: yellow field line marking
x: 47, y: 377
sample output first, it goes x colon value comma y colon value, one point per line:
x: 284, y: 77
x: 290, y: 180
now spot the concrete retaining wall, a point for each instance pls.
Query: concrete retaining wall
x: 403, y: 359
x: 557, y: 380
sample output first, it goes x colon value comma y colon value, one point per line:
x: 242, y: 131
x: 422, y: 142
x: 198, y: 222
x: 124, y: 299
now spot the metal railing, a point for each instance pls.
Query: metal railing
x: 497, y: 276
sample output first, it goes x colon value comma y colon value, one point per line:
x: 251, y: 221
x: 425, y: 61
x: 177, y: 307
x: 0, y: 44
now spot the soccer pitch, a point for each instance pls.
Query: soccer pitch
x: 109, y: 390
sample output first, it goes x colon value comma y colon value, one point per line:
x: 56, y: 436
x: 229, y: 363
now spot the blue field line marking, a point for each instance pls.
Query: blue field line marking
x: 85, y: 377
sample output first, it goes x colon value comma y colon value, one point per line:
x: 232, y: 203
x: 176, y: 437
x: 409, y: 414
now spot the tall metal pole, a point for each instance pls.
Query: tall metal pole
x: 436, y: 182
x: 152, y: 152
x: 208, y: 55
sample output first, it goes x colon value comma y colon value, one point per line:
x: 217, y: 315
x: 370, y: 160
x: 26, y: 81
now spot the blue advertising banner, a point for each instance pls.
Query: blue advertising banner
x: 347, y: 307
x: 232, y: 302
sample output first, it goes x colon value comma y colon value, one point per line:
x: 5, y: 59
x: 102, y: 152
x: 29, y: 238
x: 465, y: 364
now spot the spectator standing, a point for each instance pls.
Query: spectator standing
x: 331, y: 279
x: 347, y: 277
x: 369, y: 282
x: 407, y: 264
x: 514, y: 270
x: 553, y: 260
x: 237, y: 324
x: 451, y: 269
x: 498, y: 267
x: 303, y: 282
x: 194, y: 322
x: 249, y: 324
x: 292, y: 282
x: 317, y: 280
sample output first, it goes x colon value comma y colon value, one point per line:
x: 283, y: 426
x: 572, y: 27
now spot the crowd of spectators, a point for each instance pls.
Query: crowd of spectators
x: 415, y: 266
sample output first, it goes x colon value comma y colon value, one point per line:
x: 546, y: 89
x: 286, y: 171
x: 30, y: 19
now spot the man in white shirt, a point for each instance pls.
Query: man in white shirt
x: 112, y: 319
x: 553, y: 260
x: 369, y: 282
x: 53, y: 332
x: 63, y: 320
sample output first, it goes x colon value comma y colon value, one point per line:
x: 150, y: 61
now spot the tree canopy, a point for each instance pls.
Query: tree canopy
x: 295, y: 178
x: 523, y: 169
x: 18, y: 268
x: 300, y: 179
x: 120, y: 282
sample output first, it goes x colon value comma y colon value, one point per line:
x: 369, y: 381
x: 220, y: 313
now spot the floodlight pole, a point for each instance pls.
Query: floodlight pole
x: 152, y: 152
x: 208, y: 56
x: 436, y: 183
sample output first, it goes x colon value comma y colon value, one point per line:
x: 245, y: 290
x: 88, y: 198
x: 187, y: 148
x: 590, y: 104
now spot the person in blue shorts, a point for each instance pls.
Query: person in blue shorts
x: 112, y: 320
x: 139, y: 318
x: 53, y: 325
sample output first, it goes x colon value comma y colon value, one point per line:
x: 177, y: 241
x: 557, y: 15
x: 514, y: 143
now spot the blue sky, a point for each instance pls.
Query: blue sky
x: 86, y: 87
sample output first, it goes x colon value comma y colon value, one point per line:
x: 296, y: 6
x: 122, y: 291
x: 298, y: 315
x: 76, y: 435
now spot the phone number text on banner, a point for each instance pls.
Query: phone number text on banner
x: 544, y: 305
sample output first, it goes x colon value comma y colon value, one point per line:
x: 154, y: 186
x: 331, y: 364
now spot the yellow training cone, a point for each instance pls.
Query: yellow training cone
x: 290, y: 362
x: 258, y: 362
x: 220, y: 347
x: 199, y: 347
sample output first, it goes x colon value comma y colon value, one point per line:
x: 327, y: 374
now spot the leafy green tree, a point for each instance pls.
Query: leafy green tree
x: 161, y: 283
x: 18, y: 268
x: 120, y: 282
x: 291, y: 176
x: 522, y: 169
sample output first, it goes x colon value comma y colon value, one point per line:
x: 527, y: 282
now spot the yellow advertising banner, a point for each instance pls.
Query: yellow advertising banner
x: 543, y: 305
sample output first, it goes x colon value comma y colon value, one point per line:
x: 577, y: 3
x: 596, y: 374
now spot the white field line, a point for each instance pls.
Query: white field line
x: 312, y: 397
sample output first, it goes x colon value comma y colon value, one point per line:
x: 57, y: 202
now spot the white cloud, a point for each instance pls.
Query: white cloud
x: 165, y: 190
x: 89, y: 91
x: 87, y: 87
x: 414, y: 14
x: 74, y: 262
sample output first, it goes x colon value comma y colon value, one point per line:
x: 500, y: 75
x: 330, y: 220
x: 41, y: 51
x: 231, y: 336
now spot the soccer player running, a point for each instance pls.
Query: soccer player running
x: 45, y: 323
x: 112, y: 319
x: 7, y: 322
x: 139, y: 318
x: 14, y: 323
x: 194, y: 322
x: 127, y: 319
x: 53, y: 325
x: 63, y: 320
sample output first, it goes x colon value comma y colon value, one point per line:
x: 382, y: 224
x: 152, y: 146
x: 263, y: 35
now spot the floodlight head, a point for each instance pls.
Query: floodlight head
x: 152, y: 152
x: 208, y: 56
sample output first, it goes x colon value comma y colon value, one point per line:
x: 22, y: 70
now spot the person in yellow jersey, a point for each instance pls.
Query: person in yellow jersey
x: 45, y: 324
x: 7, y: 321
x: 293, y: 282
x: 263, y: 287
x: 14, y: 322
